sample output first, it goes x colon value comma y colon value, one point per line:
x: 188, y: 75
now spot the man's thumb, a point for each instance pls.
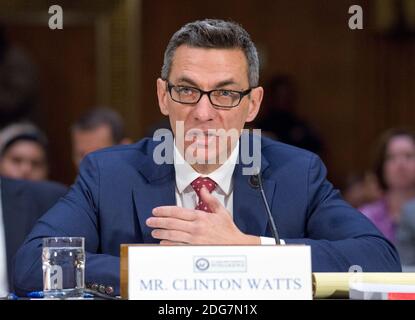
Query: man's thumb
x: 213, y: 203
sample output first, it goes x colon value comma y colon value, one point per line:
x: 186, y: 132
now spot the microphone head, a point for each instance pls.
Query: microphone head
x: 254, y: 181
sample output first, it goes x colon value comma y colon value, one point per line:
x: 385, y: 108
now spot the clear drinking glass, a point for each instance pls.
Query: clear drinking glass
x: 63, y: 264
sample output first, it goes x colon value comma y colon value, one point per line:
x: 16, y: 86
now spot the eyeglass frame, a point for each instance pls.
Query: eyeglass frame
x: 242, y: 94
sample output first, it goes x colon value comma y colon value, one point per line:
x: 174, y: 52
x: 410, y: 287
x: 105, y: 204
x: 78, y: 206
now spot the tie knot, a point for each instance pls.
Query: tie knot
x: 206, y: 182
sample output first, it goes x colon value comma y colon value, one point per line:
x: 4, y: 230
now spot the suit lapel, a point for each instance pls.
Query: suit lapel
x: 249, y: 211
x: 158, y: 190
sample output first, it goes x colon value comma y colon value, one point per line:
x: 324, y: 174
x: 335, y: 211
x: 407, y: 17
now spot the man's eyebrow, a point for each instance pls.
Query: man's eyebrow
x: 187, y: 80
x: 218, y: 85
x: 225, y: 83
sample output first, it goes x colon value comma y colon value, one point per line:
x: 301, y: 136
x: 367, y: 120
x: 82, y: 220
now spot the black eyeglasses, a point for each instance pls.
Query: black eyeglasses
x: 220, y: 98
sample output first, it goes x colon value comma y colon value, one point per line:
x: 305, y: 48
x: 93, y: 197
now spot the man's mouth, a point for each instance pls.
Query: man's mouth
x: 201, y: 137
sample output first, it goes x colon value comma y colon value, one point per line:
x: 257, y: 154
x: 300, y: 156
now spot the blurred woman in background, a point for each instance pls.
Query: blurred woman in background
x: 23, y: 152
x: 394, y: 168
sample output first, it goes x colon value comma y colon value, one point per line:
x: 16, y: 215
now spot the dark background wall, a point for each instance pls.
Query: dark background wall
x: 352, y: 84
x: 67, y: 75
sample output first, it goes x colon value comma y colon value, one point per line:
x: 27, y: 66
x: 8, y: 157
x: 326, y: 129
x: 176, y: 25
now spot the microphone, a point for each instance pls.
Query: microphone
x: 256, y: 182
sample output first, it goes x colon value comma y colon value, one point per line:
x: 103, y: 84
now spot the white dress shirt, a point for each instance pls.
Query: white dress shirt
x: 186, y: 196
x: 4, y: 287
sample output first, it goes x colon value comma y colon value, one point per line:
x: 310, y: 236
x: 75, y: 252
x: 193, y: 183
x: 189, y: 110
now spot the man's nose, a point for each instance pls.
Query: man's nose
x: 204, y: 111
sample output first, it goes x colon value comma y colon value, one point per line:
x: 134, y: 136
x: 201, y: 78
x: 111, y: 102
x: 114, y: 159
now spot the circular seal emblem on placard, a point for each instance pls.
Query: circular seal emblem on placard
x: 202, y: 264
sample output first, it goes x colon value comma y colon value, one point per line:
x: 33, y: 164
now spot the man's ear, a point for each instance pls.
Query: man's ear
x: 255, y: 102
x: 162, y: 96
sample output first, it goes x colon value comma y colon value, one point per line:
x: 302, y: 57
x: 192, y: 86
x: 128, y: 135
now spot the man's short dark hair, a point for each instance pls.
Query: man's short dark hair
x: 102, y: 117
x: 217, y: 34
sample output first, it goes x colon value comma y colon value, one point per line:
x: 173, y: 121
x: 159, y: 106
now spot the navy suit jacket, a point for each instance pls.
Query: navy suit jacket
x: 117, y: 189
x: 23, y: 202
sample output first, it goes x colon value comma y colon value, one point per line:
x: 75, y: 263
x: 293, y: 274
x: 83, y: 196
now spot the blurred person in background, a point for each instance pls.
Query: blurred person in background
x: 279, y: 119
x: 23, y: 152
x: 22, y: 202
x: 394, y: 168
x: 98, y: 128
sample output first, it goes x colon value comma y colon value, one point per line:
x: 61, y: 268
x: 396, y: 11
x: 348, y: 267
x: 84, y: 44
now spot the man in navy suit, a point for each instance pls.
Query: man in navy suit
x: 125, y: 194
x: 21, y: 204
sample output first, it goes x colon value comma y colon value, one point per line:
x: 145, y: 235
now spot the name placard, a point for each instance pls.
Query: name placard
x: 268, y: 272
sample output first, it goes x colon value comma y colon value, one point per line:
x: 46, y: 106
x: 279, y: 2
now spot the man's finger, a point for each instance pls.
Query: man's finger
x: 213, y: 203
x: 171, y: 243
x: 171, y: 235
x: 169, y: 223
x: 174, y: 212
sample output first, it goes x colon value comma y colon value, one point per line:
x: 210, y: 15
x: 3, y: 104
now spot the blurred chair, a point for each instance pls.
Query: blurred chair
x: 405, y: 236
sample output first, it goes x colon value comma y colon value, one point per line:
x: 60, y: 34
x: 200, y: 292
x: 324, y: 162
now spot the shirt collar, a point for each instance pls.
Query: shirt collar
x: 185, y: 174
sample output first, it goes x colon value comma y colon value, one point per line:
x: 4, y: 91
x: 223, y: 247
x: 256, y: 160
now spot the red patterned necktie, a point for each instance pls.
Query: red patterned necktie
x: 197, y: 184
